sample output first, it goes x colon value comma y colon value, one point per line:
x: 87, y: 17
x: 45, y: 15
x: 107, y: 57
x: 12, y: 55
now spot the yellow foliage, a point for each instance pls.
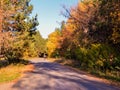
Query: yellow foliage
x: 52, y: 43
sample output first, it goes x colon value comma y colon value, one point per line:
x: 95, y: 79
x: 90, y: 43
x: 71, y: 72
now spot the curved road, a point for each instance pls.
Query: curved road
x: 53, y: 76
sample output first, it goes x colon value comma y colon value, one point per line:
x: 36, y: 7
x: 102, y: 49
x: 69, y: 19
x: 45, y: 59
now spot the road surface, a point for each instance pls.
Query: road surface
x: 53, y: 76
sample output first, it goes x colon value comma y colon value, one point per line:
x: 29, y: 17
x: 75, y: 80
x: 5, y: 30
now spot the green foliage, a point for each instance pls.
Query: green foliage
x: 98, y: 57
x: 13, y: 55
x: 11, y: 72
x: 19, y: 30
x: 67, y: 54
x: 91, y: 36
x: 104, y: 26
x: 40, y: 43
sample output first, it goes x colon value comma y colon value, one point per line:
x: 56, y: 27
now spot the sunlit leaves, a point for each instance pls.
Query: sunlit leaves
x: 53, y: 42
x: 91, y: 35
x: 17, y: 28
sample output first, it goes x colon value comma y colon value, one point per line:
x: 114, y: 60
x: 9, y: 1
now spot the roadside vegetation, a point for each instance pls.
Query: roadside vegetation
x: 19, y: 38
x: 90, y: 37
x: 11, y: 72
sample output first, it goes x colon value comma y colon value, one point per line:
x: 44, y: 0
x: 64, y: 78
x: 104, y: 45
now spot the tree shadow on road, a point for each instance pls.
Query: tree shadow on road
x: 53, y: 76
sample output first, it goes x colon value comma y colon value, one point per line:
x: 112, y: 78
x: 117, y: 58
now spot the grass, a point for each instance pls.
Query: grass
x: 11, y: 72
x: 109, y: 76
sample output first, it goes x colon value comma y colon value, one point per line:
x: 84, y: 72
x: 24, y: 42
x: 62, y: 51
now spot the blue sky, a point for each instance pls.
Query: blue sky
x: 49, y: 13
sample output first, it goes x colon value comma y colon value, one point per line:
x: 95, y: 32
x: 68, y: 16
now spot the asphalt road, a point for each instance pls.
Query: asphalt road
x: 53, y: 76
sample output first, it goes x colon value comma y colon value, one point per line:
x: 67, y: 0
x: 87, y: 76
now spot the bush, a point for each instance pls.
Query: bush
x: 98, y: 57
x: 13, y: 55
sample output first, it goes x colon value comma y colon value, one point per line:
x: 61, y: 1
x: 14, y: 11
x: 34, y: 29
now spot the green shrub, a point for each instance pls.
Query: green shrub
x: 98, y: 57
x: 13, y: 55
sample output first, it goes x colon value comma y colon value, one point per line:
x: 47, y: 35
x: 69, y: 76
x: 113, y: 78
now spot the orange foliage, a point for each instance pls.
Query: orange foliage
x: 5, y: 36
x: 75, y: 31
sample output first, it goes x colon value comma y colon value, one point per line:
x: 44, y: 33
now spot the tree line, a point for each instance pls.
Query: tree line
x: 18, y: 33
x: 90, y: 36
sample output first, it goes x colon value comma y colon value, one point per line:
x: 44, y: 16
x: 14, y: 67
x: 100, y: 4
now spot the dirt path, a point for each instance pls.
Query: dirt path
x: 53, y: 76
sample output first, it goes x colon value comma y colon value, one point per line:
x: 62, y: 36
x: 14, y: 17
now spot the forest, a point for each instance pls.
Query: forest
x: 90, y: 37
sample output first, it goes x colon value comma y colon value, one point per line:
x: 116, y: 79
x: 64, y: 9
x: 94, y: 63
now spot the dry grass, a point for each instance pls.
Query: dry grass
x: 61, y: 61
x: 13, y: 72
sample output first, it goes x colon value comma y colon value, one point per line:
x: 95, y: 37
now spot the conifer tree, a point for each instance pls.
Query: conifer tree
x: 16, y: 27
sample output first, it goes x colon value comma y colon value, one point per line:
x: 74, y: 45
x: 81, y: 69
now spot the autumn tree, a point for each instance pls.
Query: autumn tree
x: 75, y: 34
x: 104, y: 27
x: 15, y: 21
x: 52, y: 43
x: 90, y: 34
x: 6, y: 12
